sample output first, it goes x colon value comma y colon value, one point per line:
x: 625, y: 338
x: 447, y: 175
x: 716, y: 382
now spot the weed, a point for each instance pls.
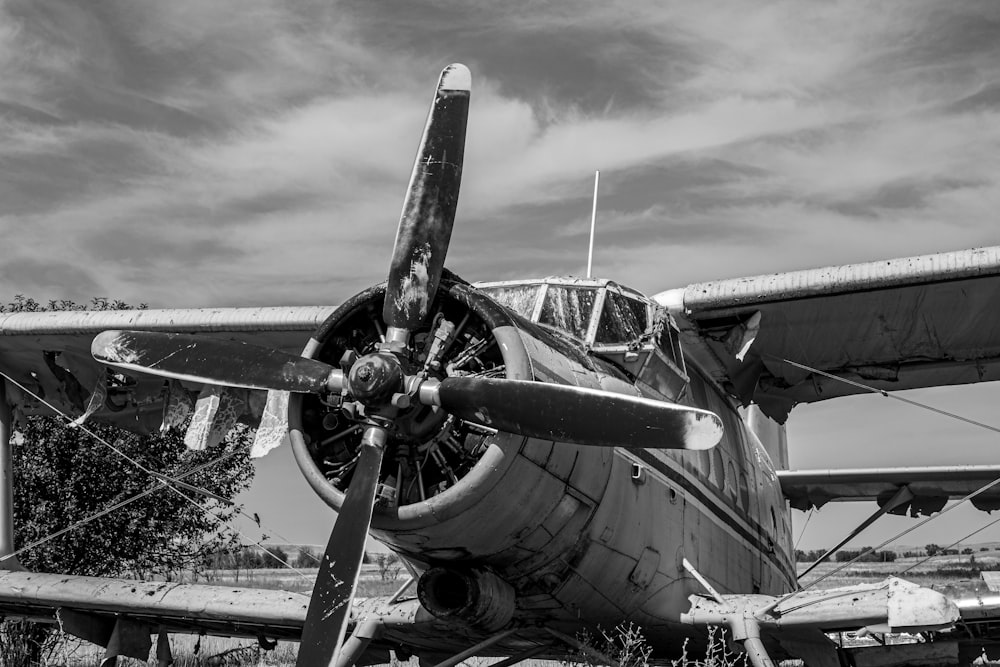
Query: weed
x: 627, y: 646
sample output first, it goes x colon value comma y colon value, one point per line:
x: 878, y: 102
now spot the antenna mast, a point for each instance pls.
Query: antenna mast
x: 593, y: 224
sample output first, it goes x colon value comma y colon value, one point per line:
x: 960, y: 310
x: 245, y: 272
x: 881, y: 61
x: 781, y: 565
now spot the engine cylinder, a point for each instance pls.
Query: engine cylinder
x: 476, y: 597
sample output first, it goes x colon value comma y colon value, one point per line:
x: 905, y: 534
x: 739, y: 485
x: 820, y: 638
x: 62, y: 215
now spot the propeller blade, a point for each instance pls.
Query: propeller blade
x: 330, y: 604
x: 576, y: 414
x: 214, y: 361
x: 429, y: 209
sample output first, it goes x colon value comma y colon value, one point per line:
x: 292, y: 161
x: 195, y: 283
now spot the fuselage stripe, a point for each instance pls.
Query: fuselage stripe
x: 721, y: 513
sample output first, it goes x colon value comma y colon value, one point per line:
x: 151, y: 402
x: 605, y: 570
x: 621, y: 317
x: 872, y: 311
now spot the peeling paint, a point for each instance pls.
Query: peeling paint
x: 114, y: 346
x: 413, y: 288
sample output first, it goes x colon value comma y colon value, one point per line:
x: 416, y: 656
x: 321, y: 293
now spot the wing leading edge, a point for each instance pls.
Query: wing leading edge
x: 895, y: 324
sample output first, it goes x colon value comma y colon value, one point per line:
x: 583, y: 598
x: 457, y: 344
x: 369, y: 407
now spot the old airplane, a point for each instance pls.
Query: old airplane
x: 547, y: 456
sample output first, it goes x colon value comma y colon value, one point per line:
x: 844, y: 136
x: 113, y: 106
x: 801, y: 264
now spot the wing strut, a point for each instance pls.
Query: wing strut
x: 477, y: 649
x: 902, y: 497
x: 744, y: 626
x: 8, y: 558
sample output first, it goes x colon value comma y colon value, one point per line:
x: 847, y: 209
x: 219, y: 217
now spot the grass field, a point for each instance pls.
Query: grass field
x: 953, y: 575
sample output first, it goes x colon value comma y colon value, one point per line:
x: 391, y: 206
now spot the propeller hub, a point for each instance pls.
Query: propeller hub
x: 374, y: 378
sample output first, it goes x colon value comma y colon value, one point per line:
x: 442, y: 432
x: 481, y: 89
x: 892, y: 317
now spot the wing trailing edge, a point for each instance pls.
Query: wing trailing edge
x: 931, y: 487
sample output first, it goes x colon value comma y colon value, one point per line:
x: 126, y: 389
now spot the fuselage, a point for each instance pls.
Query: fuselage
x: 572, y: 536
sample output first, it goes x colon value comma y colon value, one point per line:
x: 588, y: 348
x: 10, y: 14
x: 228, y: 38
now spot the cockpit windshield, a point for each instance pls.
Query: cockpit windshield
x: 568, y: 309
x: 623, y: 320
x: 612, y: 322
x: 519, y: 298
x: 572, y: 307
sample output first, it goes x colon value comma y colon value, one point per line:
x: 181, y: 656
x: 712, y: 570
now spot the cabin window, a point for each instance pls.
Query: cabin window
x: 622, y: 320
x: 519, y: 298
x: 705, y: 462
x: 744, y: 492
x: 568, y: 308
x: 731, y: 479
x: 718, y: 469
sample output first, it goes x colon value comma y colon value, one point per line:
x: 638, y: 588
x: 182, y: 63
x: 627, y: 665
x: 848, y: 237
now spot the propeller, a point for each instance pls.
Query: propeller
x: 429, y: 208
x: 575, y: 414
x: 378, y: 381
x: 214, y: 361
x: 337, y: 579
x: 535, y: 409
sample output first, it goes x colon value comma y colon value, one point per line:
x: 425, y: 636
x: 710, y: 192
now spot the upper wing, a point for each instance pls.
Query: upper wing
x: 930, y: 487
x: 895, y: 324
x: 47, y: 355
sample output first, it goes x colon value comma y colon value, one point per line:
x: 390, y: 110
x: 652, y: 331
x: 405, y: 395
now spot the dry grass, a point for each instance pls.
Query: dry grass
x: 189, y: 652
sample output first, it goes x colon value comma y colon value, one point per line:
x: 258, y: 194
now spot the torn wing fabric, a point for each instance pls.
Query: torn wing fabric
x: 177, y: 406
x: 215, y: 413
x: 94, y: 403
x: 134, y: 399
x: 896, y: 324
x: 273, y: 424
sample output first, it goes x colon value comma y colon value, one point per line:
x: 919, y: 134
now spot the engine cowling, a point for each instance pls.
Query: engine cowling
x: 517, y: 507
x: 433, y: 463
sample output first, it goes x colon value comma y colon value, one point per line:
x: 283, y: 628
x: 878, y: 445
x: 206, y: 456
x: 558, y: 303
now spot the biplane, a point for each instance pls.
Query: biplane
x: 547, y: 456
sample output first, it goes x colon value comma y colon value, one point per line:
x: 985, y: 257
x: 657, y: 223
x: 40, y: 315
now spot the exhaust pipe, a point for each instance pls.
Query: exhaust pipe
x: 476, y: 597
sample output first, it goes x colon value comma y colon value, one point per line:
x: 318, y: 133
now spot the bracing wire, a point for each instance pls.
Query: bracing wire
x: 885, y: 393
x: 812, y: 510
x: 112, y: 508
x: 165, y: 481
x: 918, y: 404
x: 958, y: 541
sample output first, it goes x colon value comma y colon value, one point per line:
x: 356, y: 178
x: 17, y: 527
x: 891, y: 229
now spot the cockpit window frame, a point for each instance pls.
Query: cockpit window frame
x: 654, y: 357
x: 601, y: 287
x: 642, y: 338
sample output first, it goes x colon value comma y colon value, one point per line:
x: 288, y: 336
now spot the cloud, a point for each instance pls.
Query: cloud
x: 264, y: 147
x: 46, y: 277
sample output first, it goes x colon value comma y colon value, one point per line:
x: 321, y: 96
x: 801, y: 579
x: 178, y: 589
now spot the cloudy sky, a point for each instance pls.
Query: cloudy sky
x: 250, y: 152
